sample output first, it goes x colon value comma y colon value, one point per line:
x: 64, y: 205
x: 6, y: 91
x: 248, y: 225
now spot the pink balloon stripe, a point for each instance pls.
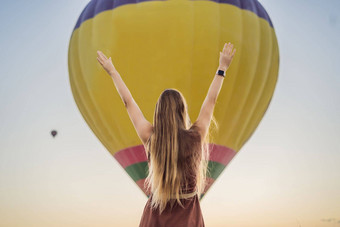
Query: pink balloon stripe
x: 221, y: 154
x: 133, y: 155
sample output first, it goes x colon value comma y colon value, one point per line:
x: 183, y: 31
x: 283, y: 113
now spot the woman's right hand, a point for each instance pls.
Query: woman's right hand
x: 226, y: 56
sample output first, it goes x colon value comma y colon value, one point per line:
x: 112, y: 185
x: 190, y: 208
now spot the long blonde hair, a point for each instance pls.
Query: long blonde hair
x: 176, y: 153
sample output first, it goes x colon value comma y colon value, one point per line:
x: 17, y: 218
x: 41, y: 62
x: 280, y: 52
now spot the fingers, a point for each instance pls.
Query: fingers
x: 228, y: 49
x: 225, y: 48
x: 101, y: 55
x: 232, y: 55
x: 231, y: 48
x: 100, y: 61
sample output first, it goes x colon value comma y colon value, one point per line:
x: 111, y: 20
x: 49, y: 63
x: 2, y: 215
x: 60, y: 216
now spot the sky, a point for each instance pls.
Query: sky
x: 287, y: 174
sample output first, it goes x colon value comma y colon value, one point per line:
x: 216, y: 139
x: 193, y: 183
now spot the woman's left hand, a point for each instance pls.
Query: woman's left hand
x: 106, y: 63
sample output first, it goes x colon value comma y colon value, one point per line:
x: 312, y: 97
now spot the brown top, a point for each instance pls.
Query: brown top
x: 177, y: 216
x: 189, y: 216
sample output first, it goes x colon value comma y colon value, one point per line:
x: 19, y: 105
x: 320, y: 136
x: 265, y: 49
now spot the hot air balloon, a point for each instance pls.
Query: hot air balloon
x: 156, y: 45
x: 53, y: 133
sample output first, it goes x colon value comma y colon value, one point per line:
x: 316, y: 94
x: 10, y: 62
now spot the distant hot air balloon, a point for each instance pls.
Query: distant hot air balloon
x: 53, y: 133
x: 173, y: 44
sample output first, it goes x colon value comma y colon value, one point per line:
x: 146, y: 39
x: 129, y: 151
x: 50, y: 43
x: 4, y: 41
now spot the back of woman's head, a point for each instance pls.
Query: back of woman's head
x: 171, y: 108
x: 178, y: 157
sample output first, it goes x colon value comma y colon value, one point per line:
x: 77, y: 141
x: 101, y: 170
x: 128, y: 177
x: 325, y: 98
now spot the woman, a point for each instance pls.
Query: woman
x: 177, y: 151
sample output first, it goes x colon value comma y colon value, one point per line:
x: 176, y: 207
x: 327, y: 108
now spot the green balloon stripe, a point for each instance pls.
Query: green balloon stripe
x: 139, y: 170
x: 215, y: 169
x: 202, y: 195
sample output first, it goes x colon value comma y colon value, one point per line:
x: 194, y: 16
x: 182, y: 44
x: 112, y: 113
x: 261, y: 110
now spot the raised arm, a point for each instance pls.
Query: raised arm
x: 207, y: 109
x: 143, y: 127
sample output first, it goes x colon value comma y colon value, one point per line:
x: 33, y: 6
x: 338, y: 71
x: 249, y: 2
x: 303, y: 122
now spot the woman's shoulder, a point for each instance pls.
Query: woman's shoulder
x: 194, y: 132
x: 194, y: 126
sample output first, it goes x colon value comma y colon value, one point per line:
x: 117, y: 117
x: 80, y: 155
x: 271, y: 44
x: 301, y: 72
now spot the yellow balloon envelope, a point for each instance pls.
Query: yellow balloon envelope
x: 156, y: 45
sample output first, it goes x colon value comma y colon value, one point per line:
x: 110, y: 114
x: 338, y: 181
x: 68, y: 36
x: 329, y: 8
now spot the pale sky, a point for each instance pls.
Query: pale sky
x: 287, y: 174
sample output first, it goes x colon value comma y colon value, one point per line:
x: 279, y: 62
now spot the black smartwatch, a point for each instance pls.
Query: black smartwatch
x: 220, y: 73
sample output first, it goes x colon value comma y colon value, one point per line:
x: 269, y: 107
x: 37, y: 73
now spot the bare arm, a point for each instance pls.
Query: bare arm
x: 207, y: 109
x: 143, y: 127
